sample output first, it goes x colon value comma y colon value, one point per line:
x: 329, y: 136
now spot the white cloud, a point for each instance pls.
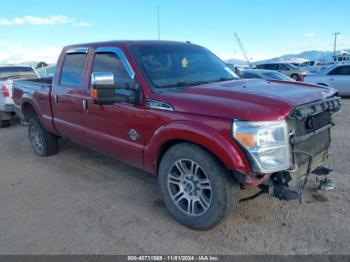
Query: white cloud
x: 311, y: 34
x: 18, y: 54
x: 83, y: 24
x: 35, y: 20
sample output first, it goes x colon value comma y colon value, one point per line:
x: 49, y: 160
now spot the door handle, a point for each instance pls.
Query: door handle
x: 55, y: 98
x: 85, y: 104
x: 332, y: 79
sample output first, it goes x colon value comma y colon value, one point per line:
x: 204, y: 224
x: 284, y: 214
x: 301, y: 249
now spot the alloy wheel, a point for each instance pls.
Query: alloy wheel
x: 189, y: 187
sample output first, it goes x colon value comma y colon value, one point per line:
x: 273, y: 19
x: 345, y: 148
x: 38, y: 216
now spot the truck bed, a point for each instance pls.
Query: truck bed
x: 34, y: 90
x: 32, y: 84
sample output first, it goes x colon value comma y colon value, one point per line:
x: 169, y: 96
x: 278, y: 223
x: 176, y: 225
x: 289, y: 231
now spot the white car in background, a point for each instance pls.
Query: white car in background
x: 264, y: 74
x: 335, y: 76
x: 7, y: 74
x: 312, y: 66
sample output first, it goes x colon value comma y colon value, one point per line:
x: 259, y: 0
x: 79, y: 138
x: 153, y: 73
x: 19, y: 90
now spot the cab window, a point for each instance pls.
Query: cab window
x: 110, y: 62
x: 72, y: 69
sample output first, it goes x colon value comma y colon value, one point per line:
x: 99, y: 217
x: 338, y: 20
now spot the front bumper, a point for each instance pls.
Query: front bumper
x: 310, y: 138
x: 310, y: 134
x: 8, y: 108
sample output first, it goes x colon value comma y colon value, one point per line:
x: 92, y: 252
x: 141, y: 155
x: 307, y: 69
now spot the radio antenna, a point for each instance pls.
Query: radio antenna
x: 158, y: 22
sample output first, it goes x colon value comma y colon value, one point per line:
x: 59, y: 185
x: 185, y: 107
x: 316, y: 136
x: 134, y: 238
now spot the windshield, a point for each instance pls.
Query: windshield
x: 276, y: 76
x: 171, y: 65
x: 16, y: 72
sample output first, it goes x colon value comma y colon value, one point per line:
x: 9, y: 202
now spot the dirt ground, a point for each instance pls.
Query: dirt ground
x: 81, y: 202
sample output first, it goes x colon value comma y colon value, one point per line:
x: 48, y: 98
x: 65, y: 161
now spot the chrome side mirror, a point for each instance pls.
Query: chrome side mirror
x: 102, y: 79
x: 103, y: 90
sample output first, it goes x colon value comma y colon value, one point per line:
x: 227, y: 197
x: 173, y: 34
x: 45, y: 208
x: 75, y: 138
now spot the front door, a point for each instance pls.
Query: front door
x: 116, y: 129
x: 339, y: 78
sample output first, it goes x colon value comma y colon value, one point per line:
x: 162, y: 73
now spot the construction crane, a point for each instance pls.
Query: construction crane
x: 242, y: 49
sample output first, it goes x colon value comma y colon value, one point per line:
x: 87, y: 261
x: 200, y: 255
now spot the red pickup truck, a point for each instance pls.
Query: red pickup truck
x: 177, y: 111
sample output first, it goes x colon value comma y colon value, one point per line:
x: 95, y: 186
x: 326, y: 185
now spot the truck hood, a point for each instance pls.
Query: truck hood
x: 253, y: 99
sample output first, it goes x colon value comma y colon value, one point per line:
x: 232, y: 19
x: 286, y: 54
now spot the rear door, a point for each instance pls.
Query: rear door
x: 284, y: 69
x: 339, y: 78
x: 69, y: 94
x: 117, y: 129
x: 272, y: 66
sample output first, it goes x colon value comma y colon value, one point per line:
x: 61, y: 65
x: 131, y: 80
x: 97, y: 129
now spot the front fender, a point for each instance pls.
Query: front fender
x: 227, y: 151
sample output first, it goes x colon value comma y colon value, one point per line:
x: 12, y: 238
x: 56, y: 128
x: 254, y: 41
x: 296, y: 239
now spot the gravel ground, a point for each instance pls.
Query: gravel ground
x: 81, y: 202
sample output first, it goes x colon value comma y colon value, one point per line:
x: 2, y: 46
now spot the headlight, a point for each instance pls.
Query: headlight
x: 266, y: 142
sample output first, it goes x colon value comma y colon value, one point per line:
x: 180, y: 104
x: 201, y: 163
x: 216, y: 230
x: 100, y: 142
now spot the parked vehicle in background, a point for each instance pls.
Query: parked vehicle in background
x: 288, y: 69
x: 47, y: 71
x: 231, y: 66
x: 7, y: 75
x: 312, y: 65
x: 177, y: 111
x: 264, y: 74
x: 342, y: 57
x: 335, y: 76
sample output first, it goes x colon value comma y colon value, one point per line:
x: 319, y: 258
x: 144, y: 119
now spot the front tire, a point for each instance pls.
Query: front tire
x: 295, y: 77
x: 196, y: 188
x: 43, y: 142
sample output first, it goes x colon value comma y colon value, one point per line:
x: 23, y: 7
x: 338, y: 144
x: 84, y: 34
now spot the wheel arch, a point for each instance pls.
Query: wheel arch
x: 229, y: 154
x: 296, y: 75
x: 168, y: 144
x: 29, y: 111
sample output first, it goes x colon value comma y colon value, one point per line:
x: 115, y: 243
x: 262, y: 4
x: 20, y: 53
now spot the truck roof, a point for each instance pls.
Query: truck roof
x: 125, y: 43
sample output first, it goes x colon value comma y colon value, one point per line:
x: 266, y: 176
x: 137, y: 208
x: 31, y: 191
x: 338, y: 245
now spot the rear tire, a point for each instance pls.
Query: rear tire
x: 43, y: 142
x: 197, y: 190
x: 4, y: 123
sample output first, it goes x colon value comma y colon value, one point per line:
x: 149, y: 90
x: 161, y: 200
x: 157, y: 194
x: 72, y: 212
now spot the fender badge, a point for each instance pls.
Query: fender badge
x: 133, y: 134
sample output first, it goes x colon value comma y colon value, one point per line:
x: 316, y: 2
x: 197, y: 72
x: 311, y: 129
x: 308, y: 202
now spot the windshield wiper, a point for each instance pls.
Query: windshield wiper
x: 223, y: 79
x: 183, y: 83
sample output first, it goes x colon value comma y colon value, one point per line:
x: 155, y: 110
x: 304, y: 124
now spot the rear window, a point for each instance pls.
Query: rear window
x: 262, y: 66
x: 276, y: 76
x: 72, y: 69
x: 268, y: 66
x: 16, y: 72
x: 250, y: 75
x: 341, y: 70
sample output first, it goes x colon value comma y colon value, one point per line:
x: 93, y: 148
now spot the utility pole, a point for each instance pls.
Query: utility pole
x: 158, y: 22
x: 335, y: 43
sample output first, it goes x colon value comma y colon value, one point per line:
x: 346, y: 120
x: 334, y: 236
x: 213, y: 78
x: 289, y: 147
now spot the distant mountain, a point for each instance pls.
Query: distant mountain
x: 327, y: 56
x: 235, y: 61
x: 29, y: 63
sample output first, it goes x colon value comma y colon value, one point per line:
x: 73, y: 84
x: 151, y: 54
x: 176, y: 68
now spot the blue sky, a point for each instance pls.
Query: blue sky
x: 37, y: 30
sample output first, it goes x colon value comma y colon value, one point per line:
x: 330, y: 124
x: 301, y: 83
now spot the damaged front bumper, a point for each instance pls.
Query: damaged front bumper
x: 310, y: 138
